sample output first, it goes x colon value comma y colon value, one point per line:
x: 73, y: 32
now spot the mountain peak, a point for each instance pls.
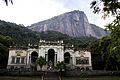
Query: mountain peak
x: 74, y: 23
x: 76, y: 11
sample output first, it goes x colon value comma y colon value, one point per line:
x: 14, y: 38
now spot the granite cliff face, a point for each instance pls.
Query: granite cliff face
x: 73, y: 23
x: 99, y: 32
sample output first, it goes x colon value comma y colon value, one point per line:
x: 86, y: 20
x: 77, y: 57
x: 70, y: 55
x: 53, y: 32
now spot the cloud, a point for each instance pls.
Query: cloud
x: 31, y: 11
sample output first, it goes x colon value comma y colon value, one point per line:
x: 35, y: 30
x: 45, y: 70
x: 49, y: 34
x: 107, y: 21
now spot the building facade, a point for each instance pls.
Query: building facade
x: 52, y: 51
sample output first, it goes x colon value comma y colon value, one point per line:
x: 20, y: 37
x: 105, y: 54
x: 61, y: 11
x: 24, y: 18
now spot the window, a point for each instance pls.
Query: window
x: 67, y: 57
x: 23, y: 60
x: 18, y: 60
x: 82, y: 61
x: 13, y: 60
x: 86, y: 61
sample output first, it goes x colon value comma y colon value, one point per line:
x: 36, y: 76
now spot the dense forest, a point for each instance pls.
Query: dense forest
x: 18, y: 33
x: 21, y: 35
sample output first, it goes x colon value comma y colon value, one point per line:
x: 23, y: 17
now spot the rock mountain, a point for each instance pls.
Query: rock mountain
x: 73, y: 23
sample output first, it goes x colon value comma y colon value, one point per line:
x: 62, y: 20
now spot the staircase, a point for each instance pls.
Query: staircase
x: 51, y: 75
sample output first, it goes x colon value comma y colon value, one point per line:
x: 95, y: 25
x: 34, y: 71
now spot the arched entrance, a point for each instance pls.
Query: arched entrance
x: 67, y: 57
x: 34, y: 56
x: 51, y: 57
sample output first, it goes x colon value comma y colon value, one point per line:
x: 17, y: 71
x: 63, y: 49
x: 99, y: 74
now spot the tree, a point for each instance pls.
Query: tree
x: 114, y: 48
x: 110, y: 45
x: 60, y: 66
x: 41, y: 61
x: 109, y: 7
x: 6, y: 1
x: 5, y: 42
x: 3, y: 56
x: 96, y: 56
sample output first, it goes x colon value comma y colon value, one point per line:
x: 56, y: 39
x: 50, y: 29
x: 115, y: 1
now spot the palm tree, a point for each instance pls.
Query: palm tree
x: 41, y: 61
x: 60, y: 66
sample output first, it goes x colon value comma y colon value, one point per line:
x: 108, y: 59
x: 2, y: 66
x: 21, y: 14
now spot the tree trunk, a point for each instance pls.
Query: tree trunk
x: 41, y: 67
x: 116, y: 67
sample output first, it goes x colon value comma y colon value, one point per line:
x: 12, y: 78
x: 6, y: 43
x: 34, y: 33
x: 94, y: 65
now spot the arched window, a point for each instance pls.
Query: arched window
x: 67, y: 57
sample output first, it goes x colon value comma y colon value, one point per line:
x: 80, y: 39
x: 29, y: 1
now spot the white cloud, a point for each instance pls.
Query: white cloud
x: 31, y: 11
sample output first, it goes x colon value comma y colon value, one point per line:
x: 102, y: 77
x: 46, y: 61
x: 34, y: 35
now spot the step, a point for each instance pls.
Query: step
x: 51, y: 76
x: 51, y: 79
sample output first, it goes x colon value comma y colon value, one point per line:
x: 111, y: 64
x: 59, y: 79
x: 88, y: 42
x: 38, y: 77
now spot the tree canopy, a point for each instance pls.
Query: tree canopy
x: 4, y: 44
x: 109, y: 7
x: 7, y: 1
x: 41, y: 61
x: 109, y: 46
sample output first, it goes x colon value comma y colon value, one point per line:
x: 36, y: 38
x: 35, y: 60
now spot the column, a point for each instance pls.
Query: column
x: 46, y: 57
x: 27, y: 59
x: 62, y: 54
x: 74, y: 60
x: 55, y: 59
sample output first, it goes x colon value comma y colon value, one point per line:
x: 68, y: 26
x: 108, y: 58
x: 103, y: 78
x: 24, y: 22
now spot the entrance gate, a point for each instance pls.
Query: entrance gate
x: 51, y: 57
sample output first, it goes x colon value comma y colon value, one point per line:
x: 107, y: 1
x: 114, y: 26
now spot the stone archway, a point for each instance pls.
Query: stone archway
x: 67, y: 57
x: 51, y: 57
x: 34, y: 56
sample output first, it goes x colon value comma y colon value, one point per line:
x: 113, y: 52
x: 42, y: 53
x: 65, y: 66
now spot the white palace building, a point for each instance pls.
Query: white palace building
x: 52, y: 51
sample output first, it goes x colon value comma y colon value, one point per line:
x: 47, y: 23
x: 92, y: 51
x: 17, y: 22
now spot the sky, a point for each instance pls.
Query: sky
x: 27, y: 12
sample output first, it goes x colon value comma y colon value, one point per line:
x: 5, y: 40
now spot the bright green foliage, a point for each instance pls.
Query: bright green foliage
x: 41, y: 61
